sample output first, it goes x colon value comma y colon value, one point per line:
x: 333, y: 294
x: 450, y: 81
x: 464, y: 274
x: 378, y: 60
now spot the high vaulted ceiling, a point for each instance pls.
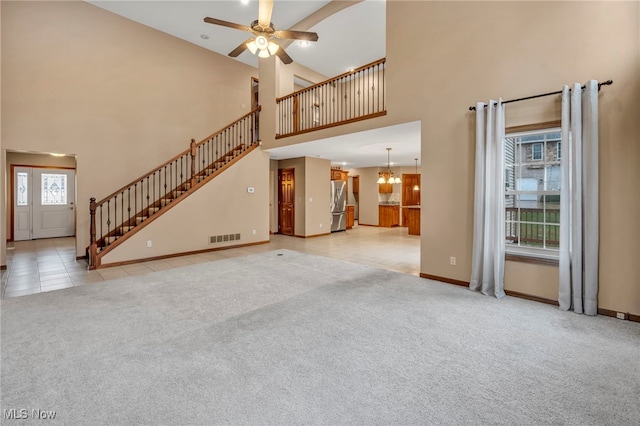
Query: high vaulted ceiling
x: 351, y: 37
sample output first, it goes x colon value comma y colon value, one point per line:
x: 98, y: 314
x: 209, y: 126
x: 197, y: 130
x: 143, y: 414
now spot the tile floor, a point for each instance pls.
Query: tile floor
x: 45, y: 265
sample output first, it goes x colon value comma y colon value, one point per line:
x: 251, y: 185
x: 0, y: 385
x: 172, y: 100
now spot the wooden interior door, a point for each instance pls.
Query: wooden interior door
x: 286, y: 200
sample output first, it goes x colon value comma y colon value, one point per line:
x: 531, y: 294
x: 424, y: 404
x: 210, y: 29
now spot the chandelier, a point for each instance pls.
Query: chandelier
x: 416, y: 187
x: 391, y: 179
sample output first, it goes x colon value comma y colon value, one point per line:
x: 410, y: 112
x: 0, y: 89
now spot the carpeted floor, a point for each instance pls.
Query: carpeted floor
x: 289, y: 338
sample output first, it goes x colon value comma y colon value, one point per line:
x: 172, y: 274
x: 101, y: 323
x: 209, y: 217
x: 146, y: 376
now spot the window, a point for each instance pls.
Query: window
x: 559, y: 151
x: 23, y: 186
x: 54, y: 189
x: 532, y: 192
x: 536, y: 152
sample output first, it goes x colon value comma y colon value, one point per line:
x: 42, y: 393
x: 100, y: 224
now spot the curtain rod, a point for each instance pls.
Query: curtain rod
x: 604, y: 83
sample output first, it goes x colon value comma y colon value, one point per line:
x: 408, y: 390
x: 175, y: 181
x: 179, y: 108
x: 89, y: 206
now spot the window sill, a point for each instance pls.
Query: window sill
x: 526, y: 258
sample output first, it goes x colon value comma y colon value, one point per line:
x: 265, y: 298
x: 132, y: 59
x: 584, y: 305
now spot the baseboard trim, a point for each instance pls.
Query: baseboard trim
x: 601, y: 311
x: 530, y: 297
x: 444, y: 279
x: 313, y: 236
x: 186, y: 253
x: 614, y: 314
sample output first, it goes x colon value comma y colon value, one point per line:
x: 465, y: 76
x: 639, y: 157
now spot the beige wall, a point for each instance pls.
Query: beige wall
x: 120, y: 96
x: 462, y: 52
x: 223, y: 206
x: 318, y: 196
x: 368, y: 195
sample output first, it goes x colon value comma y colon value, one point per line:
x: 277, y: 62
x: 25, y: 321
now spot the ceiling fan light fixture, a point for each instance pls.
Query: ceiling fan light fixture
x: 264, y: 53
x: 251, y: 45
x: 272, y: 47
x: 262, y: 42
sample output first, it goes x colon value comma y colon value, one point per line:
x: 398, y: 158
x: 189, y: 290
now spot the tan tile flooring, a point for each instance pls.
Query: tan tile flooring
x: 46, y: 265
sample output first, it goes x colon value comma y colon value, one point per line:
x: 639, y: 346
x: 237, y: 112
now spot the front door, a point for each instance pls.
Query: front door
x: 44, y: 205
x: 286, y: 198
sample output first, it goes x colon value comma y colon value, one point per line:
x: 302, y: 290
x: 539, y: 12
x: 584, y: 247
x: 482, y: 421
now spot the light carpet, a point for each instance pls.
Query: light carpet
x: 289, y: 338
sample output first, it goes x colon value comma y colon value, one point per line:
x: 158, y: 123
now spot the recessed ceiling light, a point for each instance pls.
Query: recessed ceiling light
x: 204, y: 36
x: 352, y: 69
x: 244, y: 1
x: 303, y: 43
x: 57, y: 155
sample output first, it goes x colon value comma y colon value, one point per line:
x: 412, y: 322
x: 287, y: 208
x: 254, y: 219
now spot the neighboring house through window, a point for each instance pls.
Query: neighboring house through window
x: 533, y: 173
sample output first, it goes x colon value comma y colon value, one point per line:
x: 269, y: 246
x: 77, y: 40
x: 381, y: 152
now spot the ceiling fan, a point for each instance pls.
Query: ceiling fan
x: 264, y: 34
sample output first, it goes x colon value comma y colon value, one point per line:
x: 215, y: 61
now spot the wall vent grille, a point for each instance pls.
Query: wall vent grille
x: 214, y: 239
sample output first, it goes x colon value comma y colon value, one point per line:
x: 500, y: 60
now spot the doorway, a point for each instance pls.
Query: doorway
x: 286, y: 200
x: 43, y: 202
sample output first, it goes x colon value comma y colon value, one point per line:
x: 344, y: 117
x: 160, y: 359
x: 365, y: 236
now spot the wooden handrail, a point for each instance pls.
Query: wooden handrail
x: 322, y: 83
x: 133, y: 182
x: 166, y: 163
x: 230, y: 125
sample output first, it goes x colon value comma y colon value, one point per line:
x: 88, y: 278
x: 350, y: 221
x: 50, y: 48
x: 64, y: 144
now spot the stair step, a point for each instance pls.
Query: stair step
x: 165, y: 201
x: 178, y: 193
x: 140, y: 219
x: 153, y: 210
x: 125, y: 229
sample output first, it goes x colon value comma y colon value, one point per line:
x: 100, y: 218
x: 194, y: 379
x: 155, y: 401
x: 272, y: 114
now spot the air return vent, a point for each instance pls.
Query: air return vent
x: 215, y: 239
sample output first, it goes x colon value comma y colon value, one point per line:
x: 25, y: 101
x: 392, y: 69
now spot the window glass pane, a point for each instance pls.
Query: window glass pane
x: 533, y: 178
x: 23, y: 189
x: 54, y: 189
x: 536, y: 152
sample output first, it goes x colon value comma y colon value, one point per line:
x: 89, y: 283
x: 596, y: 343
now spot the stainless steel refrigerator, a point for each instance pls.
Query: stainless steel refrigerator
x: 338, y: 205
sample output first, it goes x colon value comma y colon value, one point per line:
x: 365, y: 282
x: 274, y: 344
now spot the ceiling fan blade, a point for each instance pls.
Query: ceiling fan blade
x: 226, y: 24
x: 296, y: 35
x: 238, y: 50
x: 265, y: 7
x: 284, y: 56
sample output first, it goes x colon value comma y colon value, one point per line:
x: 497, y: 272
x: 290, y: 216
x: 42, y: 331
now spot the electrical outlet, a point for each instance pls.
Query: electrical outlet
x: 621, y: 315
x: 320, y: 225
x: 149, y: 243
x: 452, y: 261
x: 254, y: 232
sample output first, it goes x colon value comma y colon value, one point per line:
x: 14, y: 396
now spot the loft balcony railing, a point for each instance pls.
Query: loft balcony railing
x: 352, y: 96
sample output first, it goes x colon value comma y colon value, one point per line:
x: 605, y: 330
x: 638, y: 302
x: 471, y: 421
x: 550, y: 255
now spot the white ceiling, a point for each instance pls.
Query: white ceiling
x: 350, y: 38
x: 362, y: 149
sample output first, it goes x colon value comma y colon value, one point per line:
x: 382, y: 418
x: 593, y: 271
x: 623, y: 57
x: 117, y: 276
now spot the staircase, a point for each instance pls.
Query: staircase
x: 126, y: 211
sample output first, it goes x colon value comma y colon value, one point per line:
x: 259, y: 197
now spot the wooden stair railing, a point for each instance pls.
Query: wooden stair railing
x: 353, y: 96
x: 118, y: 216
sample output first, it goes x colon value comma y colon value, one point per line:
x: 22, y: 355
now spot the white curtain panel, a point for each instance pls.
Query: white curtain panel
x: 579, y: 200
x: 487, y: 271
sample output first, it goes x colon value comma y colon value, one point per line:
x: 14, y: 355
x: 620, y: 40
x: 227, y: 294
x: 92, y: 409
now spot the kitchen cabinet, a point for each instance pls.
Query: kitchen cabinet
x: 351, y: 214
x: 356, y: 184
x: 336, y: 174
x: 385, y: 188
x: 388, y: 215
x: 413, y: 214
x: 410, y: 197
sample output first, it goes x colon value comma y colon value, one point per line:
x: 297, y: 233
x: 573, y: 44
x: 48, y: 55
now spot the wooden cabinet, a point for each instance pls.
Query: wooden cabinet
x: 385, y: 188
x: 405, y: 217
x: 356, y: 184
x: 388, y: 216
x: 351, y: 215
x: 336, y: 174
x: 413, y: 215
x: 410, y: 196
